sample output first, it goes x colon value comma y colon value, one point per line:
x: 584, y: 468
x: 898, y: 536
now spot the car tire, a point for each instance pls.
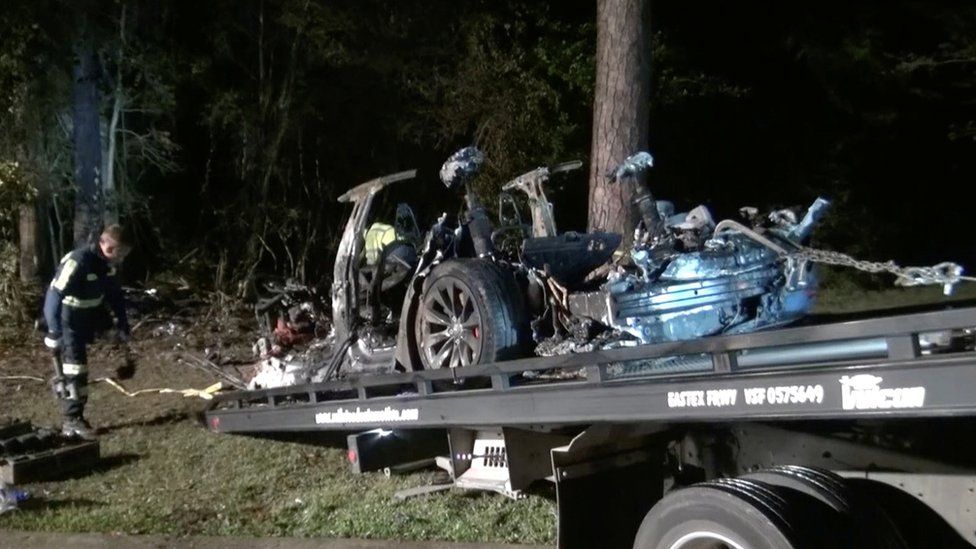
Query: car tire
x: 471, y: 312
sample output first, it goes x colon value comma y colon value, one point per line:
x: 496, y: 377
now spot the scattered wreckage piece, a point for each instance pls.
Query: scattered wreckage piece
x: 290, y: 368
x: 31, y: 454
x: 10, y: 498
x: 164, y: 310
x: 288, y: 310
x: 290, y: 316
x: 211, y: 368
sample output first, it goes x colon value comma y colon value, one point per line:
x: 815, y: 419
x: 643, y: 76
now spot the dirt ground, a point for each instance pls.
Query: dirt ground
x: 161, y: 350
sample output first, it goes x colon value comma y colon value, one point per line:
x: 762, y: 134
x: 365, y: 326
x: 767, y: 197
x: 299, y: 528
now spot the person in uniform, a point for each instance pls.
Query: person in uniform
x: 74, y: 311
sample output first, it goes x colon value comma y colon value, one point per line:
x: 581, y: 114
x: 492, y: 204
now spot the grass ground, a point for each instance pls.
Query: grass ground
x: 163, y: 473
x: 177, y: 478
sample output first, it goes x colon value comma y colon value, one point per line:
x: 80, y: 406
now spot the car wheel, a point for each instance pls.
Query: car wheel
x: 471, y: 312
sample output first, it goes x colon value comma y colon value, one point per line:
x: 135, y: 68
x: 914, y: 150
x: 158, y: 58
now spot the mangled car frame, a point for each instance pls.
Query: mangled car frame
x: 474, y: 291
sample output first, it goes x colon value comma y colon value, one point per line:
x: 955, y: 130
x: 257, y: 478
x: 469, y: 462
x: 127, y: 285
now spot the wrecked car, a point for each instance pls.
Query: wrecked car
x: 474, y: 291
x: 683, y: 277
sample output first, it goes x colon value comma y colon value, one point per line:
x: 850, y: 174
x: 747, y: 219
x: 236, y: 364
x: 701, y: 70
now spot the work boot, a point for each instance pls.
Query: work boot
x: 77, y: 427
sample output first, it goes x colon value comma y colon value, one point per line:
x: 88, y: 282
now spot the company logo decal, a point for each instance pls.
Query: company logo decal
x: 864, y: 392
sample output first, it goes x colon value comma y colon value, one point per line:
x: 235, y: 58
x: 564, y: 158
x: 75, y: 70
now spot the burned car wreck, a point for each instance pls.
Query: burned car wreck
x: 475, y: 290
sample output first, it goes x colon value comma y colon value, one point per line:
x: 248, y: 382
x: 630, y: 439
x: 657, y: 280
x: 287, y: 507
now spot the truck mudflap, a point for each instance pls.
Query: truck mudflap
x: 607, y: 479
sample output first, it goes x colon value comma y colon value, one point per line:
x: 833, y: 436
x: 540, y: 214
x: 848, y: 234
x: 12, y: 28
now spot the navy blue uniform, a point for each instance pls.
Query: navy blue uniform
x: 74, y: 309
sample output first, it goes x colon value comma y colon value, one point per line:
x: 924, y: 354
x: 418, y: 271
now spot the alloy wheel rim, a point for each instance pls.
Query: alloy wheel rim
x: 451, y: 331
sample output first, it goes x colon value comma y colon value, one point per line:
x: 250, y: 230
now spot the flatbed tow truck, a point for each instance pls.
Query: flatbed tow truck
x: 842, y: 432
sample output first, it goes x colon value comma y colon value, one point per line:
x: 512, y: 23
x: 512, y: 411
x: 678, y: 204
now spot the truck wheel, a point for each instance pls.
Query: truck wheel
x: 471, y: 312
x: 865, y: 523
x: 738, y: 514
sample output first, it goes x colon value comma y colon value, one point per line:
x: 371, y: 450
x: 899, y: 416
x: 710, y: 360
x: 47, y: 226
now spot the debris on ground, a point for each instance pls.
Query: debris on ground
x: 10, y: 497
x: 219, y: 372
x: 206, y: 393
x: 296, y: 335
x: 293, y: 368
x: 168, y: 311
x: 164, y: 310
x: 29, y: 453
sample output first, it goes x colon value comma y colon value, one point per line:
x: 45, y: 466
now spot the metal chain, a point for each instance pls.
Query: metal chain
x: 946, y: 274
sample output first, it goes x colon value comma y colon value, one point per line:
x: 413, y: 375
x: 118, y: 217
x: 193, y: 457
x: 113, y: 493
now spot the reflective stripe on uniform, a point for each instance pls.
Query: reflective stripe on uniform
x: 67, y: 269
x: 72, y: 301
x: 92, y: 276
x: 70, y: 369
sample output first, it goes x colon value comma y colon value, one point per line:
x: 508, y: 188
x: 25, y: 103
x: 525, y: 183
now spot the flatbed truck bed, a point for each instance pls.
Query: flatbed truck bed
x: 838, y: 411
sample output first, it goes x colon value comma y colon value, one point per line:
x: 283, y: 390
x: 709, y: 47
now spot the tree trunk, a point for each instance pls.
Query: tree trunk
x: 87, y: 144
x: 620, y: 109
x: 29, y: 244
x: 111, y: 194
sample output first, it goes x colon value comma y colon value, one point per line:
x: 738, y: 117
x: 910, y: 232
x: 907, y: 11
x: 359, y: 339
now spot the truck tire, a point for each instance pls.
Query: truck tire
x: 865, y: 523
x: 471, y: 312
x: 738, y: 514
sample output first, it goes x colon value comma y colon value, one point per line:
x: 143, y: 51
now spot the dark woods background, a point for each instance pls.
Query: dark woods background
x: 232, y: 126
